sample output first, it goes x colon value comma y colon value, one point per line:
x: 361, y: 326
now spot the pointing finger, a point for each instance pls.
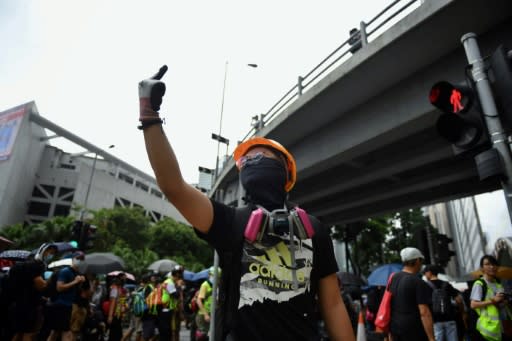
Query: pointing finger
x: 160, y: 73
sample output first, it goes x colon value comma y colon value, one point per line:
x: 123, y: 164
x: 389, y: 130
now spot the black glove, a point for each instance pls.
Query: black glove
x: 151, y: 91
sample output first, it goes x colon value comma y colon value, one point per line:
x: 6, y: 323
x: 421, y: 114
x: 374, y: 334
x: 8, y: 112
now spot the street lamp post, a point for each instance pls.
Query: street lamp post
x: 218, y: 137
x: 89, y: 185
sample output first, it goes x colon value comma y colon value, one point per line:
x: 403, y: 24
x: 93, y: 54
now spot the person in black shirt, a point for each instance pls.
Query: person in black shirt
x: 270, y: 286
x: 410, y: 313
x: 26, y: 285
x: 445, y: 326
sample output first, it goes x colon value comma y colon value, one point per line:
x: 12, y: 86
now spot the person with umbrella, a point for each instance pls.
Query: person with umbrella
x: 267, y: 282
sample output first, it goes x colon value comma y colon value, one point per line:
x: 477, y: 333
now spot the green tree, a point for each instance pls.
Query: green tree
x: 32, y: 236
x: 126, y: 232
x: 369, y: 247
x: 120, y: 223
x: 407, y: 224
x: 378, y: 240
x: 173, y: 240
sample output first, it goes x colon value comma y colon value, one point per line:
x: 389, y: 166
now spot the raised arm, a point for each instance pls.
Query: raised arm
x: 190, y: 202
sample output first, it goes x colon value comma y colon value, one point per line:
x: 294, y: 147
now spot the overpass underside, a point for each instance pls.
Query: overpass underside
x: 364, y: 137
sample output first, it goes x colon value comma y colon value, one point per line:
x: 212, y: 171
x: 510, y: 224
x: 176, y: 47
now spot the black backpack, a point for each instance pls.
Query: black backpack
x: 51, y: 286
x: 50, y: 291
x: 441, y: 300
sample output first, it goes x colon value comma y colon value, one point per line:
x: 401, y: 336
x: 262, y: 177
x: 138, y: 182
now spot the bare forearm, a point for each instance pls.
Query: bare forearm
x: 428, y: 325
x: 338, y: 323
x: 163, y: 160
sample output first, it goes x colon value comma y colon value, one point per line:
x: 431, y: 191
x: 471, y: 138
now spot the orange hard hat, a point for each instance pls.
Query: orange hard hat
x: 244, y: 147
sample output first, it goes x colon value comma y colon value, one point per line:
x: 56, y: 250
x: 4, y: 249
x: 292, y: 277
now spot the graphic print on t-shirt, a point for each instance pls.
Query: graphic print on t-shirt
x: 267, y: 271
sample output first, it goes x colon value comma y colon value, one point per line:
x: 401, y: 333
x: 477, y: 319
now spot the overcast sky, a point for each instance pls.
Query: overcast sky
x: 81, y: 61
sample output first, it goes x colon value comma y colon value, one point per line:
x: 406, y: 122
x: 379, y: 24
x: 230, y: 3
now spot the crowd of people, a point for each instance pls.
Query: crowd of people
x: 279, y: 273
x: 38, y: 303
x: 431, y: 309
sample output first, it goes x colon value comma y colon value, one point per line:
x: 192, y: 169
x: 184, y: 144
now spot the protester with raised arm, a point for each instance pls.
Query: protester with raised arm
x: 277, y: 261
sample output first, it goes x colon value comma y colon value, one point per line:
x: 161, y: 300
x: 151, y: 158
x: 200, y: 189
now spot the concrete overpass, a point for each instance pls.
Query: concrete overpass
x: 364, y: 136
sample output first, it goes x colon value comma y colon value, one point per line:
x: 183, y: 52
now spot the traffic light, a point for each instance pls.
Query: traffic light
x: 460, y: 122
x: 421, y: 238
x: 442, y: 252
x: 88, y: 236
x: 76, y: 233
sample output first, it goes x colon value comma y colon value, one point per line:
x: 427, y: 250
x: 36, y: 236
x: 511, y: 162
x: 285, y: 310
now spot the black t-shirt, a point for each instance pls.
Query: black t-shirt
x: 452, y: 292
x: 269, y: 308
x: 21, y: 282
x: 408, y: 291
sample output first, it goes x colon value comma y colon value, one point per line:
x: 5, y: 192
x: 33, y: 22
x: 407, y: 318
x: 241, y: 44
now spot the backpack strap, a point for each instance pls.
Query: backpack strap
x: 483, y: 283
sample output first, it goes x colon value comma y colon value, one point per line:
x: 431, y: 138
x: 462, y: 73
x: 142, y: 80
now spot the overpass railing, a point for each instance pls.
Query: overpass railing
x: 358, y: 39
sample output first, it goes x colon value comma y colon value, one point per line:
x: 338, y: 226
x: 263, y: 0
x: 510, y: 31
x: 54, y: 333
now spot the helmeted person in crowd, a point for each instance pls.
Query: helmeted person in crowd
x: 271, y: 286
x: 411, y: 318
x: 490, y: 305
x: 445, y: 325
x: 26, y: 285
x: 61, y: 307
x: 118, y: 307
x: 168, y: 308
x: 204, y: 304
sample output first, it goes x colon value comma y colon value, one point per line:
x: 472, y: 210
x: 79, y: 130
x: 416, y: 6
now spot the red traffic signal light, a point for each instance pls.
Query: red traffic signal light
x: 451, y: 99
x: 458, y: 124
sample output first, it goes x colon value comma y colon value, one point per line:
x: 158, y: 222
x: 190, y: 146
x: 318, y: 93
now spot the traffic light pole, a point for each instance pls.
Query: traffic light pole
x: 494, y: 126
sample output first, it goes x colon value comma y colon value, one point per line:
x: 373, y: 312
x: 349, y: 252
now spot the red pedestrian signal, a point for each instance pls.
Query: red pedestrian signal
x: 451, y: 99
x: 458, y: 123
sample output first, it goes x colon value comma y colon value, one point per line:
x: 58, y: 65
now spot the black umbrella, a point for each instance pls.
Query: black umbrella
x: 102, y: 263
x: 15, y: 255
x: 350, y: 279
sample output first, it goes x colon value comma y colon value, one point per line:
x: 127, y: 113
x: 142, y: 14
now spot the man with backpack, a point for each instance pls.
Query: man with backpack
x: 443, y: 310
x: 67, y: 286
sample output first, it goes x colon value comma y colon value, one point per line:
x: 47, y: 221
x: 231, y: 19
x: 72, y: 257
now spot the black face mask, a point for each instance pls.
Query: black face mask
x: 264, y: 183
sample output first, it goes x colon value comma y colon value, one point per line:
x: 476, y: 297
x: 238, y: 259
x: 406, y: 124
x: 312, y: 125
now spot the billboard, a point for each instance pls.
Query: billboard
x: 10, y: 122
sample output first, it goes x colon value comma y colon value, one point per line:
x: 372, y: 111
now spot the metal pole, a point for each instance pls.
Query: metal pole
x: 89, y: 187
x: 220, y: 120
x: 496, y: 132
x: 214, y: 290
x: 215, y: 254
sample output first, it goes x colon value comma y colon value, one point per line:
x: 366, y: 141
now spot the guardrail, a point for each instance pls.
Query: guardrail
x: 358, y: 39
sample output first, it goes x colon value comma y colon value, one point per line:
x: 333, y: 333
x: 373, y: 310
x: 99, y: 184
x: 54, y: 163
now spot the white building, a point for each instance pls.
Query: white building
x: 39, y: 181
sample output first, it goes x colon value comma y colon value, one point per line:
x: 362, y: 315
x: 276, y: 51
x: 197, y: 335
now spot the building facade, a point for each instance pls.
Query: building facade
x: 459, y: 220
x: 39, y: 181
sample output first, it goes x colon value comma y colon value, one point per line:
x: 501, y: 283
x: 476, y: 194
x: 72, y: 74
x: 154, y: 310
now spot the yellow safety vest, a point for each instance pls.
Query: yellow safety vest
x: 208, y: 299
x: 167, y: 299
x: 489, y: 324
